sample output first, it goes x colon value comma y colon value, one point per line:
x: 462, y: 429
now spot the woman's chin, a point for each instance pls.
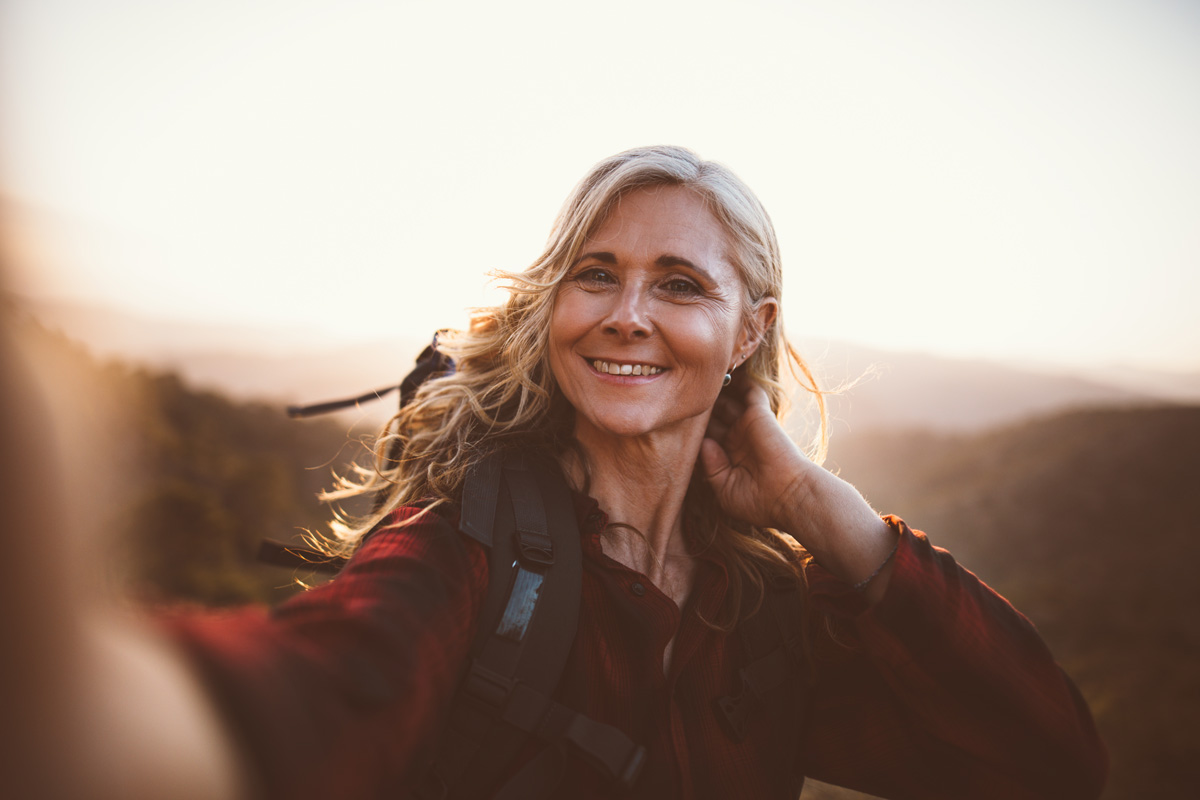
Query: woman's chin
x: 626, y: 426
x: 613, y: 424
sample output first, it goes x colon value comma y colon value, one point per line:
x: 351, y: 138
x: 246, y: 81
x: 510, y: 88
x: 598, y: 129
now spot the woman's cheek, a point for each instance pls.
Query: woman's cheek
x: 703, y: 333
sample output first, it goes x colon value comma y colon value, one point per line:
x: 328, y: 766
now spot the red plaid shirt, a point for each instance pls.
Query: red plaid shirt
x: 940, y: 690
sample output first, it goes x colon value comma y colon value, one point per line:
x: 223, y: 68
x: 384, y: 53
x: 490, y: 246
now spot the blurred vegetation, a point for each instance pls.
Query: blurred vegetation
x: 195, y: 480
x: 1084, y: 520
x: 218, y: 477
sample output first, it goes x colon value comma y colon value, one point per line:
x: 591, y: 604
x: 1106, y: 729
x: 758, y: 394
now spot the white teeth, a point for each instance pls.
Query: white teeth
x: 625, y: 369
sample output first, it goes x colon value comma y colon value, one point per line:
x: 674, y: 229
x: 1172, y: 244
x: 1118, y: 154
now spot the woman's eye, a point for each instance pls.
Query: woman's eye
x: 596, y: 277
x: 681, y: 287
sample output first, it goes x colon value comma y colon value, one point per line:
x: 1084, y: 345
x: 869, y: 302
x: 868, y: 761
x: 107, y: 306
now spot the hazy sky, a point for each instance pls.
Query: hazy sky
x: 1015, y: 178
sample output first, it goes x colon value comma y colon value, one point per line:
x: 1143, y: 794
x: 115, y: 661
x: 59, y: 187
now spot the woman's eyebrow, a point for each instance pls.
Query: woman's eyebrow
x: 667, y: 262
x: 662, y: 262
x: 603, y: 256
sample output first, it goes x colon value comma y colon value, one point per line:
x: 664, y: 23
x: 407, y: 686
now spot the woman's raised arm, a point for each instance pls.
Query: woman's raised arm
x: 761, y: 476
x: 928, y: 683
x: 942, y: 690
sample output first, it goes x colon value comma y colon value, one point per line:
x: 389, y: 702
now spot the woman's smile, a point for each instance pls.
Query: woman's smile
x: 649, y: 318
x: 624, y: 369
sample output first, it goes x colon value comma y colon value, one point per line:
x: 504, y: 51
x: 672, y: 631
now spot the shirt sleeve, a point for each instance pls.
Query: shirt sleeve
x: 941, y: 690
x: 339, y: 691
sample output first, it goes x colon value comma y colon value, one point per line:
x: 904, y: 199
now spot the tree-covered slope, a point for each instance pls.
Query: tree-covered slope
x: 177, y: 486
x: 1087, y: 523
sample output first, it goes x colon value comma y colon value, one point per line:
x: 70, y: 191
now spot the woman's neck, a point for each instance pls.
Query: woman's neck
x: 642, y: 482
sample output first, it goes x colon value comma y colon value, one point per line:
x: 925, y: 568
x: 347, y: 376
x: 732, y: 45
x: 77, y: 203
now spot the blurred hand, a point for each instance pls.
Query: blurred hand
x: 95, y: 705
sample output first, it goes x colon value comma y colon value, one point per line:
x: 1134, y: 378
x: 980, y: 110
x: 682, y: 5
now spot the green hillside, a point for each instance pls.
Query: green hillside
x: 182, y: 484
x: 1086, y: 522
x: 217, y: 478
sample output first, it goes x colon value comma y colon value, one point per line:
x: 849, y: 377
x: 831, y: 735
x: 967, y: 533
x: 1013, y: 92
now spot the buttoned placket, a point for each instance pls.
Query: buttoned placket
x: 687, y: 629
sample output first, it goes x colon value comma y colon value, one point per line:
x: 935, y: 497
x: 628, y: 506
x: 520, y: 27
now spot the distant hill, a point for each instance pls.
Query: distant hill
x: 910, y: 390
x: 895, y: 390
x: 276, y: 365
x: 1087, y: 522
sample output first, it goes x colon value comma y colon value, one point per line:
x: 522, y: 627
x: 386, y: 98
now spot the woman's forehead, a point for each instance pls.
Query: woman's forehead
x: 662, y: 223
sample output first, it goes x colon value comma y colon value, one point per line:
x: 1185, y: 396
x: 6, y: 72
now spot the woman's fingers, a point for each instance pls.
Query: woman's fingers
x: 756, y: 397
x: 727, y: 410
x: 716, y: 429
x: 713, y: 460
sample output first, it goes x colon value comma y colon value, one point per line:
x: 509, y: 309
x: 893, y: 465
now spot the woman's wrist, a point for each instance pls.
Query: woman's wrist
x: 883, y: 567
x: 840, y: 529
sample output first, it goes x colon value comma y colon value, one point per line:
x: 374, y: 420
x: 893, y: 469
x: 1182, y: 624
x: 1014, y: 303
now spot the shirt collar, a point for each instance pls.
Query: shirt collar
x: 712, y: 578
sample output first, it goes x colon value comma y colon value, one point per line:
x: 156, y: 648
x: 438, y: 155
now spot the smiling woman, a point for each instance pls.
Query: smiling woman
x: 656, y: 303
x: 661, y: 263
x: 632, y: 383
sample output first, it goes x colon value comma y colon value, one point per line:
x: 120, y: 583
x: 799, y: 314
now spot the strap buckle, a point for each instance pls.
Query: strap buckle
x: 535, y: 548
x: 607, y: 749
x: 487, y: 686
x: 534, y: 543
x: 633, y: 769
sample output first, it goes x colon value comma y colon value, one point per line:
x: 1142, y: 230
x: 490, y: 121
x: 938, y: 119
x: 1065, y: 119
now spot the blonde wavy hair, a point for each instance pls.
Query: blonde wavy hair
x: 503, y: 394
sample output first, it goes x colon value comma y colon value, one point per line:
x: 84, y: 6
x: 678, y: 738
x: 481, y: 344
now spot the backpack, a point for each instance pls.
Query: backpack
x: 521, y: 511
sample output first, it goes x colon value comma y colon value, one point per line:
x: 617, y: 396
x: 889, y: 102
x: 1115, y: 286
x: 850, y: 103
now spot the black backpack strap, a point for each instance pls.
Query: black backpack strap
x: 773, y: 639
x: 431, y: 363
x: 281, y: 554
x: 526, y: 629
x: 481, y: 495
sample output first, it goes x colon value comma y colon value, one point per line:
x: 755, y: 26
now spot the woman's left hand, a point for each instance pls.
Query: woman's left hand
x: 760, y: 475
x: 757, y: 472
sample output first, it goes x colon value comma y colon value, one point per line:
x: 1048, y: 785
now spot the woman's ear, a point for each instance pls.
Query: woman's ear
x: 757, y: 323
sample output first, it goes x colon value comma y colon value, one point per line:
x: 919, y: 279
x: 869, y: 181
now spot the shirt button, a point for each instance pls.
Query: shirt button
x: 638, y: 588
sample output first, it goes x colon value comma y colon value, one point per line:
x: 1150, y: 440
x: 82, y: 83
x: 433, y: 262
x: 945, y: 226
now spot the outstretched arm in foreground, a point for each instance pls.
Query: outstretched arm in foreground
x: 95, y: 705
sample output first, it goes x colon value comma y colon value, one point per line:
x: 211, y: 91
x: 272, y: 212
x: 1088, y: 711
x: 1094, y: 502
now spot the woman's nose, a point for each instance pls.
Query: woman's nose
x: 629, y: 315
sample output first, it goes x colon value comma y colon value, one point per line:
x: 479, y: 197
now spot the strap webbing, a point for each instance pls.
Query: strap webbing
x: 537, y: 778
x: 527, y: 626
x: 534, y: 545
x: 606, y: 748
x: 481, y: 494
x: 281, y: 554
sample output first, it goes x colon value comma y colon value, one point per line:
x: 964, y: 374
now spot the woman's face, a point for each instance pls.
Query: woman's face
x: 650, y: 317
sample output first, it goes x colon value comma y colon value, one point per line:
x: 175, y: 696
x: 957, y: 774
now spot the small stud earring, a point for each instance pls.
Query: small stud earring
x: 727, y: 380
